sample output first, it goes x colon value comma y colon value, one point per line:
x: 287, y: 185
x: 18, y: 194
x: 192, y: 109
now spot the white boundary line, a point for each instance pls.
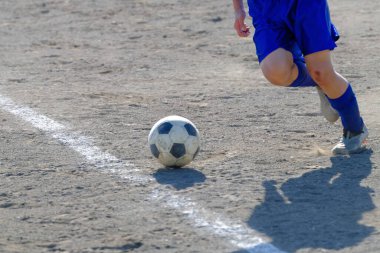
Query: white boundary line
x: 238, y: 235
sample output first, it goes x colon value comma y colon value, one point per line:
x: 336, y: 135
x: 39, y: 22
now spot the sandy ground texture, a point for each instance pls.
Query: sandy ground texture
x: 110, y: 69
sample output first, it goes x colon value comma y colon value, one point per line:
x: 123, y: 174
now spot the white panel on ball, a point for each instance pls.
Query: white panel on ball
x: 184, y: 160
x: 163, y: 143
x: 153, y: 136
x: 178, y: 134
x: 167, y: 159
x: 192, y: 144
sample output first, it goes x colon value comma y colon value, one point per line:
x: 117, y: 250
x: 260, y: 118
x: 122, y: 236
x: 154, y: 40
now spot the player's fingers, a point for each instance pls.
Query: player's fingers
x: 237, y: 27
x: 245, y: 30
x: 241, y: 28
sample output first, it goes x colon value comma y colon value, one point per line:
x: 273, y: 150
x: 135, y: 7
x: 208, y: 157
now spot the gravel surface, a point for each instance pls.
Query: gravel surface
x: 108, y: 70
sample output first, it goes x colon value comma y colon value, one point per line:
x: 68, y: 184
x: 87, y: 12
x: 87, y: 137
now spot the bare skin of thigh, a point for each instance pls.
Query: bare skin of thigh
x: 278, y: 67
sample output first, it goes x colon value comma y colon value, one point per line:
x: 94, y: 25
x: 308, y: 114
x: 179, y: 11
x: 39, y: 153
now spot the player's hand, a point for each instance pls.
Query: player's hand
x: 240, y: 26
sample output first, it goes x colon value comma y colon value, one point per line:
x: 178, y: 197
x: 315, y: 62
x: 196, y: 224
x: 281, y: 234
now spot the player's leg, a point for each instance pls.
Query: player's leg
x: 279, y: 55
x: 285, y: 68
x: 342, y: 99
x: 314, y: 35
x: 278, y: 67
x: 321, y: 69
x: 276, y: 46
x: 282, y: 68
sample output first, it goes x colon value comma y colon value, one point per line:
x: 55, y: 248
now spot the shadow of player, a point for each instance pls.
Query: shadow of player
x: 320, y: 209
x: 179, y: 178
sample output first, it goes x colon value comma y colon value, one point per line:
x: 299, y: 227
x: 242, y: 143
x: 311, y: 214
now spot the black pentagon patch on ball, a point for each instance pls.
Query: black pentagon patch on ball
x: 154, y: 150
x: 164, y: 128
x: 190, y: 129
x: 178, y: 150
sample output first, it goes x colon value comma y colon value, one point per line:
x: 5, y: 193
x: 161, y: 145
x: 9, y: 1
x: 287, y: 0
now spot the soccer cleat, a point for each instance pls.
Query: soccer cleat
x: 351, y: 143
x: 330, y: 114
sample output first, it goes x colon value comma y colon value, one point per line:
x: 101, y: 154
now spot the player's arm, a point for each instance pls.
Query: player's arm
x: 241, y: 28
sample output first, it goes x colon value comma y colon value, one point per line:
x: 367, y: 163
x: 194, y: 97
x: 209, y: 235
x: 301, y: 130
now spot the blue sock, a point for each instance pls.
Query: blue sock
x: 348, y: 109
x: 304, y: 79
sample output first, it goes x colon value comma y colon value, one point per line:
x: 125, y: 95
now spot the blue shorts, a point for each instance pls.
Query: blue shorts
x: 300, y: 26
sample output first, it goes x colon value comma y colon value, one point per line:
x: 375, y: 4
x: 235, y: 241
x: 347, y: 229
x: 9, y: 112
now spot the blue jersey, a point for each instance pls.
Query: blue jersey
x: 300, y: 26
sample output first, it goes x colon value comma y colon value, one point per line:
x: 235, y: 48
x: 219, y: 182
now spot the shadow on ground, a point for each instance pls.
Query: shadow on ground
x: 320, y: 209
x: 179, y: 178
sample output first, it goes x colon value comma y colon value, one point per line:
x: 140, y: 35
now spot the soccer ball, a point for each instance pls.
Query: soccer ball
x: 174, y: 141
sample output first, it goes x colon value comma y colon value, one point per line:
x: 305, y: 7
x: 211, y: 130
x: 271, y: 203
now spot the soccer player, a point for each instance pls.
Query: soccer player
x: 294, y: 40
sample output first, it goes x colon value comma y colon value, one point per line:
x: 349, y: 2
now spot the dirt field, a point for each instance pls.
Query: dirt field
x: 108, y: 70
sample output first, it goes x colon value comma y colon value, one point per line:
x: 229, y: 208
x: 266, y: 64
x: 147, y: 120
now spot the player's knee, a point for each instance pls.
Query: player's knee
x: 323, y: 76
x: 278, y: 73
